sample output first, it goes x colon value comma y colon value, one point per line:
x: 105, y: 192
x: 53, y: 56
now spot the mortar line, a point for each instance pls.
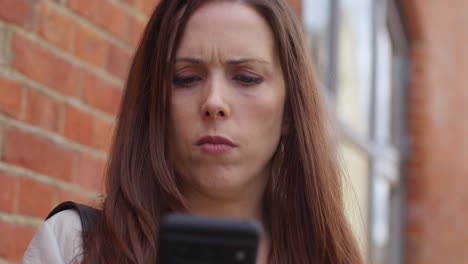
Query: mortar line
x: 23, y: 173
x: 52, y: 137
x: 65, y: 10
x: 65, y: 55
x: 67, y: 99
x: 16, y: 219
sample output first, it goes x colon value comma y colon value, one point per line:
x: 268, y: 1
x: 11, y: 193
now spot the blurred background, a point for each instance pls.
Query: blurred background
x: 394, y: 74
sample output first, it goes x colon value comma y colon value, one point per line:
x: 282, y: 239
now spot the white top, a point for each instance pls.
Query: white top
x: 58, y: 240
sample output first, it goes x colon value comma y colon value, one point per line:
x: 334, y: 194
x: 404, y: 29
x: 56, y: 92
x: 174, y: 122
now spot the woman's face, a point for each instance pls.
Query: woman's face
x: 228, y: 96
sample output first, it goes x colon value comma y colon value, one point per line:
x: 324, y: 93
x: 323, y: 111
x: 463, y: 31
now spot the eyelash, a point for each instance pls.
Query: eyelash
x: 182, y: 81
x: 245, y: 80
x: 251, y: 80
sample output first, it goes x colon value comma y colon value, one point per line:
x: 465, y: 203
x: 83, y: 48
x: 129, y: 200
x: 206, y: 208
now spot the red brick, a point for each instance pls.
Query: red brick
x: 130, y: 2
x: 105, y: 14
x: 11, y: 96
x: 55, y: 27
x: 148, y: 6
x: 87, y: 8
x: 31, y: 152
x: 78, y: 126
x: 77, y: 197
x: 20, y: 12
x: 115, y: 20
x: 90, y: 47
x: 101, y: 94
x: 14, y: 240
x: 413, y: 19
x: 43, y: 111
x: 103, y: 132
x: 136, y: 31
x: 436, y: 198
x: 8, y: 192
x: 90, y: 172
x: 118, y: 62
x: 35, y: 198
x: 52, y: 71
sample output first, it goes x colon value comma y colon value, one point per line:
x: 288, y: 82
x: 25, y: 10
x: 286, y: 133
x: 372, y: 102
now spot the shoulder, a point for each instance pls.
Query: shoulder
x: 66, y: 226
x: 57, y: 240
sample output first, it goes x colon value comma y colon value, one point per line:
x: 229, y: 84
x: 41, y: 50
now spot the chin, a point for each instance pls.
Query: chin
x: 216, y: 181
x: 220, y: 179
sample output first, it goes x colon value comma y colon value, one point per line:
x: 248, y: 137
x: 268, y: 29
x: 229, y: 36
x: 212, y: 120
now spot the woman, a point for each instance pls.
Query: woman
x: 222, y: 116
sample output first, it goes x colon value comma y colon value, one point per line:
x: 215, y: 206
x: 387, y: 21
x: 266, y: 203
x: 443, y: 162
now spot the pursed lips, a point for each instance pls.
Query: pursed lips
x: 215, y: 144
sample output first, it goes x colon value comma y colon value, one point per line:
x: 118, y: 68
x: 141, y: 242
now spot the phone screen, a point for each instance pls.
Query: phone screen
x: 187, y: 239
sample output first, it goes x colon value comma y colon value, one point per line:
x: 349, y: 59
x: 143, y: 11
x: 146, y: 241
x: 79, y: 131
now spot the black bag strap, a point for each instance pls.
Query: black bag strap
x: 88, y: 215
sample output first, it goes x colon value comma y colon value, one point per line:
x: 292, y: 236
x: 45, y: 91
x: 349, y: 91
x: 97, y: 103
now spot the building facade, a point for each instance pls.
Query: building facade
x: 399, y: 101
x: 393, y: 73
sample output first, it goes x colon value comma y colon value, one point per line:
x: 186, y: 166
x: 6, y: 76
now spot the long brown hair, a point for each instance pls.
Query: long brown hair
x: 303, y: 201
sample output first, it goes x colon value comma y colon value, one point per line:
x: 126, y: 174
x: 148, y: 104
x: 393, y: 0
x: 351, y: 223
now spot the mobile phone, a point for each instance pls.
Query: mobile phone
x: 187, y: 239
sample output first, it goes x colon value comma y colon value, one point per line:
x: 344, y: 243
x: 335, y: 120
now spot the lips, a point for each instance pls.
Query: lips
x: 215, y: 144
x: 215, y: 140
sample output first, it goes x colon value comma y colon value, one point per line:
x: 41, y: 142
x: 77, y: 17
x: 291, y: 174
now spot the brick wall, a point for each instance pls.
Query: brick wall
x: 437, y: 180
x: 62, y: 68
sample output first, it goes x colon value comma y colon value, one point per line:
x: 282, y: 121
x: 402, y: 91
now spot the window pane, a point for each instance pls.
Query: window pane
x: 385, y: 172
x: 383, y: 87
x: 354, y: 64
x: 381, y: 219
x: 356, y: 185
x: 316, y: 14
x: 398, y: 104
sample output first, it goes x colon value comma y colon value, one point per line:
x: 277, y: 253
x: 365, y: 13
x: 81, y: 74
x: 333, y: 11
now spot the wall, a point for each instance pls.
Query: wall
x: 62, y: 68
x: 437, y: 171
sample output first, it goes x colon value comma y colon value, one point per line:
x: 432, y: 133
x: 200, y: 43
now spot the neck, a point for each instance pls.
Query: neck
x: 245, y: 201
x: 246, y: 205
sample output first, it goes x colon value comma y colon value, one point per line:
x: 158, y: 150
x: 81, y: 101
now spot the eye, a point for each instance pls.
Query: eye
x: 247, y: 80
x: 186, y: 81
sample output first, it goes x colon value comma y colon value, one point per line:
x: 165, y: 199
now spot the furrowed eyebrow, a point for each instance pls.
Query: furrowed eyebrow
x: 246, y: 60
x: 191, y: 60
x: 231, y: 62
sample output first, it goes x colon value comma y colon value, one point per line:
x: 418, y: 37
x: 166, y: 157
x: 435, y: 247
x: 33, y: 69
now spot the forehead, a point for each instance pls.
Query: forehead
x: 228, y: 29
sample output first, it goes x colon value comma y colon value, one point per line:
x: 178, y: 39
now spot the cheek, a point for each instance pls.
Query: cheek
x: 182, y: 113
x: 264, y: 117
x: 181, y: 126
x: 181, y: 121
x: 268, y: 109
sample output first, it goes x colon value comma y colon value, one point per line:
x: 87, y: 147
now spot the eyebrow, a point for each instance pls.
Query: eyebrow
x: 246, y: 60
x: 231, y: 61
x: 191, y: 60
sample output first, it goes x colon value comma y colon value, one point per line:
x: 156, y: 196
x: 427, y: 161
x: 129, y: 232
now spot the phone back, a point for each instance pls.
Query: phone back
x: 186, y: 239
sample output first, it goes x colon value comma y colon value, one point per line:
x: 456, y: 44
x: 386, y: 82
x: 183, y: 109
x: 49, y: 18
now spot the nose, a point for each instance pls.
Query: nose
x: 214, y: 105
